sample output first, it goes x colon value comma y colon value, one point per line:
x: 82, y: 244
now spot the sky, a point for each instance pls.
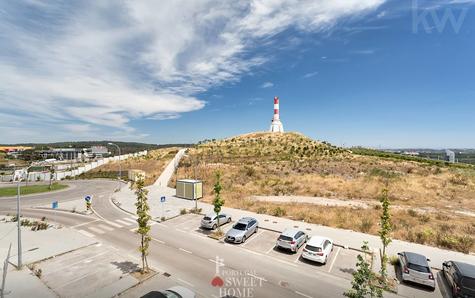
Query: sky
x: 375, y: 73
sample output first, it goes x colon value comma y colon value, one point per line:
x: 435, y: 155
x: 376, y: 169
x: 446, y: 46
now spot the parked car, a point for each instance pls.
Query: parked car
x: 242, y: 230
x: 460, y: 277
x: 210, y: 221
x: 173, y: 292
x: 291, y: 239
x: 415, y: 268
x: 318, y: 249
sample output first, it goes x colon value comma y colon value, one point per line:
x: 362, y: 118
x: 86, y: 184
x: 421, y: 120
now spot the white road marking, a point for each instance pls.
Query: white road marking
x: 184, y: 250
x: 297, y: 259
x: 130, y: 220
x: 133, y: 229
x: 159, y: 241
x: 334, y: 259
x: 123, y: 222
x: 270, y: 249
x: 252, y: 238
x: 180, y: 230
x: 113, y: 224
x: 257, y: 277
x: 107, y: 228
x: 96, y: 230
x: 282, y: 261
x: 86, y: 233
x: 185, y: 282
x: 302, y: 294
x: 85, y: 223
x: 253, y: 252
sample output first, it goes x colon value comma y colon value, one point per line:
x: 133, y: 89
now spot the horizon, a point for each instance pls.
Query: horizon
x: 371, y: 73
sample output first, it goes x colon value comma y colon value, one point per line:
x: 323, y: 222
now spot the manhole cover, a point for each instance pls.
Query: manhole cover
x: 166, y: 274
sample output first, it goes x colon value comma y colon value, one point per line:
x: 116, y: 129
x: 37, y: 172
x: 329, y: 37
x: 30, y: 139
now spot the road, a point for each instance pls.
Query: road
x: 188, y: 257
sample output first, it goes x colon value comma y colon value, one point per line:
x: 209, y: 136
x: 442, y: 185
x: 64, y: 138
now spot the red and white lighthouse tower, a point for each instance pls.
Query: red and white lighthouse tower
x: 276, y: 125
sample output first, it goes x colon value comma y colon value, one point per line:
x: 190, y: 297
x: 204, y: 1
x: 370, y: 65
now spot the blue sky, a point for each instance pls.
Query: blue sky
x: 356, y: 72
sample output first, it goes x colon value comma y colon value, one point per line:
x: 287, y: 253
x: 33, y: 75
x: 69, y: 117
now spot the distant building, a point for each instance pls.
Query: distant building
x: 98, y: 151
x: 276, y: 125
x: 450, y: 156
x: 411, y: 153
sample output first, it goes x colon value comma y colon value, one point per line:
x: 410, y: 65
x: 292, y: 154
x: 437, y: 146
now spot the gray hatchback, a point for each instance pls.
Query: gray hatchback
x: 210, y: 221
x: 242, y: 230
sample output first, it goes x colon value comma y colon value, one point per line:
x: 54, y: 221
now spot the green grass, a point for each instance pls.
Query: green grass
x: 31, y: 189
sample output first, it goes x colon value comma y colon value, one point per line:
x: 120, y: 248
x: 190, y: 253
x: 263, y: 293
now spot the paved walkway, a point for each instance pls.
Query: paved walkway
x: 345, y: 238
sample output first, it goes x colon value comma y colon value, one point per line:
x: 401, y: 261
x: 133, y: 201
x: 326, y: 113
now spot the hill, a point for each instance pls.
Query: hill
x: 433, y: 203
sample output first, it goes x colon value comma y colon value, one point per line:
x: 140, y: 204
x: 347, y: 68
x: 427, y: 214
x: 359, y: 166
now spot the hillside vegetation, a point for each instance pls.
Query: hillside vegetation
x: 152, y: 164
x: 431, y: 201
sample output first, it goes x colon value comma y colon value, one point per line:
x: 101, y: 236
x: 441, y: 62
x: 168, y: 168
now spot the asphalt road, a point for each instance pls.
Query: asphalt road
x: 187, y: 257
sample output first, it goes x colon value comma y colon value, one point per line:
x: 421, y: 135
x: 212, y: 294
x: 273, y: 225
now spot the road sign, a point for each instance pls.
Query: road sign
x: 163, y: 199
x: 88, y: 198
x: 55, y: 205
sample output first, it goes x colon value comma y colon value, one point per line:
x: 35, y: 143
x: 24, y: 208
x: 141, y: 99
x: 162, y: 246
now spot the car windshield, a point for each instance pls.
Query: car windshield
x: 419, y: 268
x: 206, y: 218
x: 240, y: 226
x: 468, y: 283
x: 313, y: 248
x: 285, y: 238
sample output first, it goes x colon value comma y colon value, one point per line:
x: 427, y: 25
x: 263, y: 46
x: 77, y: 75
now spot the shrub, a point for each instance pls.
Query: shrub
x: 465, y: 243
x: 412, y: 213
x: 366, y: 225
x: 424, y: 218
x: 183, y: 211
x: 394, y: 260
x: 278, y: 211
x: 261, y: 210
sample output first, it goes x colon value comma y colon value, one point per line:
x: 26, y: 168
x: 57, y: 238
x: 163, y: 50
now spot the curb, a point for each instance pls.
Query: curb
x: 138, y: 283
x: 61, y: 210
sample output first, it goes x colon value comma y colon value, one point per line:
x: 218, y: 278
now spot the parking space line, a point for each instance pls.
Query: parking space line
x: 85, y: 223
x: 184, y: 250
x: 185, y: 282
x: 180, y: 230
x: 185, y: 222
x: 298, y: 258
x: 270, y: 249
x: 255, y: 236
x: 302, y: 294
x: 334, y: 258
x: 282, y: 261
x: 251, y: 251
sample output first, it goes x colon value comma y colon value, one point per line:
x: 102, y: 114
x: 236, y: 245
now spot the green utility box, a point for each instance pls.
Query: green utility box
x: 189, y: 189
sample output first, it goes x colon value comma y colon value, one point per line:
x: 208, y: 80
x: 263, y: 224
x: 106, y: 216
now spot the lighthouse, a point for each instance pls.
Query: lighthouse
x: 276, y: 125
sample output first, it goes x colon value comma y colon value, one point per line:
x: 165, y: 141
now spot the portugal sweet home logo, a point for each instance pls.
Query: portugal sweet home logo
x: 235, y: 283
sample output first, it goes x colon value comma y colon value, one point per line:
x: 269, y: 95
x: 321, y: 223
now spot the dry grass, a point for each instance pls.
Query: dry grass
x: 152, y: 164
x: 291, y: 164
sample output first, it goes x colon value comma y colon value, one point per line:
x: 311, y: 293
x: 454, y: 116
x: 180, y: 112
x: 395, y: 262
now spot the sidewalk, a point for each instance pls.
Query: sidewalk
x: 345, y: 238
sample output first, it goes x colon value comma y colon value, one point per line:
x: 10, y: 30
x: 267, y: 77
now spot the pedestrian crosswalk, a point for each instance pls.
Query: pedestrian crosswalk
x: 102, y: 227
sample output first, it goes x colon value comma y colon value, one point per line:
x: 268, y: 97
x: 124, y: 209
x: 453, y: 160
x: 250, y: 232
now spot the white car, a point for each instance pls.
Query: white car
x: 318, y: 249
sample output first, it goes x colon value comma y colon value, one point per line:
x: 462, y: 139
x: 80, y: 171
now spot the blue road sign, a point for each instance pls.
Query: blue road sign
x: 163, y: 199
x: 55, y: 205
x: 88, y: 198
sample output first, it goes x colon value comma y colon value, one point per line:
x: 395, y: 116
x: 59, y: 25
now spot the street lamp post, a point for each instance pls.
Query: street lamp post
x: 120, y: 168
x: 18, y: 214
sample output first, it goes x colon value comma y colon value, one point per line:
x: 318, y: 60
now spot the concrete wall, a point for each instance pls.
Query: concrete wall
x: 64, y: 172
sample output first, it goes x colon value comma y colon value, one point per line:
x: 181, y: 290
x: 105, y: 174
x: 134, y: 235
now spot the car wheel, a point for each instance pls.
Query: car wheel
x: 243, y: 239
x: 214, y: 227
x: 229, y: 220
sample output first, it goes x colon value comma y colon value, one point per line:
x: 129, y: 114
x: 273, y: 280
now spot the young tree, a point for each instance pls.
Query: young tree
x: 218, y: 202
x: 385, y: 233
x: 51, y: 176
x: 364, y: 282
x: 142, y: 220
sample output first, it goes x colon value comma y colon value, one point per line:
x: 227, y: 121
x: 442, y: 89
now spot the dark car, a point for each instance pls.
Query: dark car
x: 460, y: 277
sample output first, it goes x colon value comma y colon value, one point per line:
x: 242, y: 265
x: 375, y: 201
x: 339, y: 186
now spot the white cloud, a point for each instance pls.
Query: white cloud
x: 102, y: 64
x: 267, y: 85
x: 310, y: 74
